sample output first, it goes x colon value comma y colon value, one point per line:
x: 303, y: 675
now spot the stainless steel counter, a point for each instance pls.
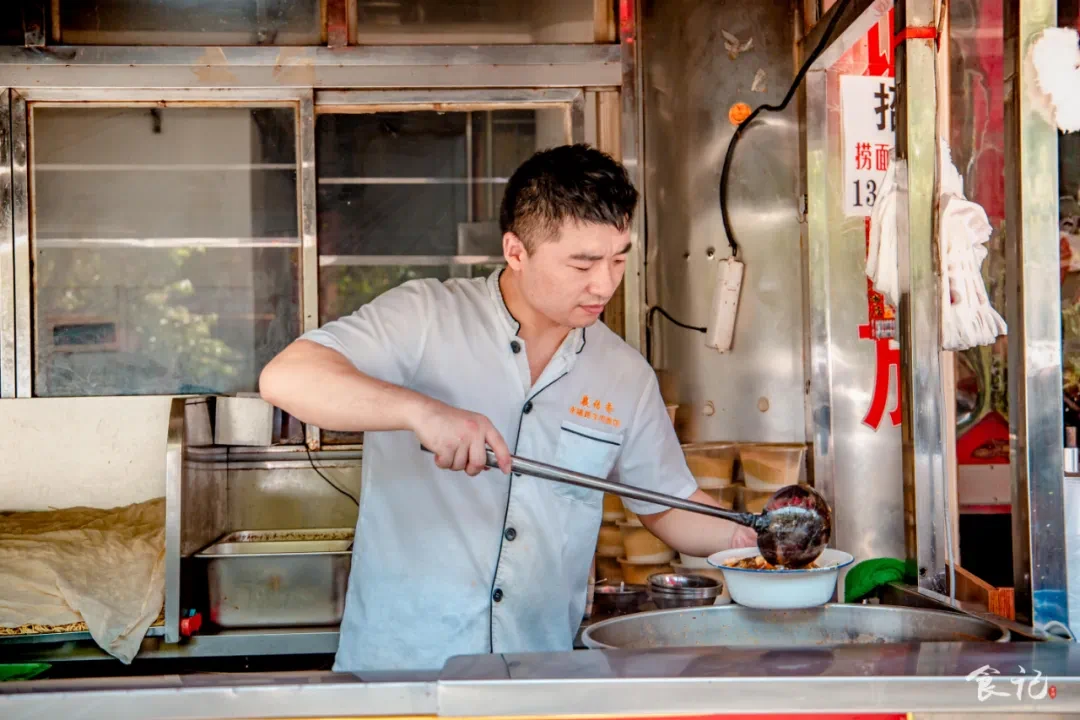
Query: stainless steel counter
x: 925, y: 678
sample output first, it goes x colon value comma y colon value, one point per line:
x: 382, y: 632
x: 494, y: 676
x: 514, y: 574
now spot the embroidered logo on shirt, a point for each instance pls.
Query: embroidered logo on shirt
x: 594, y: 409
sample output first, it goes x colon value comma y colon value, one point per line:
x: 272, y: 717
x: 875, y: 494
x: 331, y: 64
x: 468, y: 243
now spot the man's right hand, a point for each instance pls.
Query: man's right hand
x: 459, y: 438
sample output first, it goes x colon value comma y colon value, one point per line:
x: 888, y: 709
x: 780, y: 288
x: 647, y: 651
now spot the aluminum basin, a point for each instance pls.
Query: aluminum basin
x: 737, y: 626
x: 278, y: 578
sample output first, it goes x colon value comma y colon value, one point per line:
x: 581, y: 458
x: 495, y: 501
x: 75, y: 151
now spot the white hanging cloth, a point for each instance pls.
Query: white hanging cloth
x: 967, y: 318
x: 881, y: 256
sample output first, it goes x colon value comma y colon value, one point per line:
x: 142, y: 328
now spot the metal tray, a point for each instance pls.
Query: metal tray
x: 287, y: 535
x: 278, y: 578
x: 737, y: 626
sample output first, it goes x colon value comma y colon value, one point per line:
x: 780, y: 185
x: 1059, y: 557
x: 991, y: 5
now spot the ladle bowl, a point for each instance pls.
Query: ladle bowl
x: 795, y: 527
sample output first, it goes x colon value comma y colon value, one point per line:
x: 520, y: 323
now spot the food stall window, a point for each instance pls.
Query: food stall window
x: 165, y: 247
x: 406, y: 195
x: 187, y: 22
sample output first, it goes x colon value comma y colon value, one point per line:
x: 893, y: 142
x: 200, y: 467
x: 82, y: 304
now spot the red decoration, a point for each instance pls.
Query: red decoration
x: 985, y: 443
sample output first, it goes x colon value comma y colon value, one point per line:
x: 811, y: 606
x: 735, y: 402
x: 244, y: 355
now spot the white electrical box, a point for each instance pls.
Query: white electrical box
x: 725, y: 305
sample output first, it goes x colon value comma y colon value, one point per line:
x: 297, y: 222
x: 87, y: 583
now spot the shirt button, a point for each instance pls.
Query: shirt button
x: 515, y: 346
x: 528, y: 407
x: 510, y: 534
x: 497, y: 595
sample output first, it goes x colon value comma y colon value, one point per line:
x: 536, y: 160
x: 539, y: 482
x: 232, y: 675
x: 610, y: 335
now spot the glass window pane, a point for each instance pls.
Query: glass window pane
x: 416, y: 194
x: 190, y: 22
x: 474, y: 22
x: 342, y: 289
x: 977, y: 142
x: 377, y: 170
x: 166, y: 247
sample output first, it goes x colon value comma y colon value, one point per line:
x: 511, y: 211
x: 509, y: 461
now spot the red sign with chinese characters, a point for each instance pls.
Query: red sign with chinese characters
x: 880, y: 327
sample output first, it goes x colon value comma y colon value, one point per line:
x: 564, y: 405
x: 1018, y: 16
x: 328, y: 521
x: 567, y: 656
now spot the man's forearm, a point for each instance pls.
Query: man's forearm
x: 692, y: 533
x: 319, y: 386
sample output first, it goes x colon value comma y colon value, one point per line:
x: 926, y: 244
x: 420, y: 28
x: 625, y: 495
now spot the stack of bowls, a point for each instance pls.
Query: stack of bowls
x: 644, y: 554
x: 668, y: 590
x: 766, y: 469
x: 713, y: 467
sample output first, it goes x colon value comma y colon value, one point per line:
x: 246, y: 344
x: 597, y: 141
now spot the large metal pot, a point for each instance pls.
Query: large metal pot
x: 737, y: 626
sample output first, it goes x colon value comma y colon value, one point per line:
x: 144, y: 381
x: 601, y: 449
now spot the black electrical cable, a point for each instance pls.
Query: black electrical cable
x: 829, y: 29
x: 328, y: 482
x: 662, y: 311
x: 648, y: 327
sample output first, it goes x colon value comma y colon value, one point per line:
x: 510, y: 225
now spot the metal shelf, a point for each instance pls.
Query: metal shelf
x: 159, y: 243
x: 412, y: 181
x: 169, y: 167
x: 414, y: 260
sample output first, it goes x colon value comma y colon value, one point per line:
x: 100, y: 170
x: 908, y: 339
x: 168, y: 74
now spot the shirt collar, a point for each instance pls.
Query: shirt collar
x: 572, y: 346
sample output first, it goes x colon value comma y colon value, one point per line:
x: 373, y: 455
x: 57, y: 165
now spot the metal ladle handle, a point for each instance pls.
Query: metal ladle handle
x: 543, y: 471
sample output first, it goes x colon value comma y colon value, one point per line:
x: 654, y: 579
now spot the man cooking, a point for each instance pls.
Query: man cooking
x: 449, y: 563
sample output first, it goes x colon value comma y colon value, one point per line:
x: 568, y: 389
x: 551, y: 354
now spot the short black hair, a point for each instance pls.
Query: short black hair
x: 570, y: 182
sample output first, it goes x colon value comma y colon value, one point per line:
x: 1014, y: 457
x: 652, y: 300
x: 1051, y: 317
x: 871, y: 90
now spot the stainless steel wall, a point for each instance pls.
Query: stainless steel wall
x: 289, y: 494
x: 857, y: 466
x: 690, y: 82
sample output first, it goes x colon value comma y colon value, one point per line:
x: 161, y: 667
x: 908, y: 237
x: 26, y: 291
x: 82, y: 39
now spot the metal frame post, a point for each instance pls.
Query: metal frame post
x: 1034, y: 317
x: 20, y: 191
x: 7, y: 254
x: 922, y: 395
x: 634, y: 281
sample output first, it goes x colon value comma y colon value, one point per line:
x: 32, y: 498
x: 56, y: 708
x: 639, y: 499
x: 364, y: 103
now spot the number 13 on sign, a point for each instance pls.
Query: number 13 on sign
x: 865, y: 193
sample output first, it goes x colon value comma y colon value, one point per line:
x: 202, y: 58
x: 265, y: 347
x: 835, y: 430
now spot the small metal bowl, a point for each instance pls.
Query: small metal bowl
x: 671, y: 590
x: 618, y: 599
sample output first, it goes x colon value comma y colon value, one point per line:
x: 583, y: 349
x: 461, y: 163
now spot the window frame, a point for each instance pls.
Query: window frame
x: 17, y: 282
x: 590, y: 78
x: 572, y: 101
x: 21, y: 367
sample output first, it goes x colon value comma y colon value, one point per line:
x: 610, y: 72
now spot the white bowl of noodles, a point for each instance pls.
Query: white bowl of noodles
x: 774, y: 588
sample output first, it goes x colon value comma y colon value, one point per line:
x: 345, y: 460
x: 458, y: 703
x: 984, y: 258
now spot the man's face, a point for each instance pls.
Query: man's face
x: 569, y: 279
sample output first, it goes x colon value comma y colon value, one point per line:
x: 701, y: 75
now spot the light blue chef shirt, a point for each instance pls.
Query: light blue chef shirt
x: 445, y: 564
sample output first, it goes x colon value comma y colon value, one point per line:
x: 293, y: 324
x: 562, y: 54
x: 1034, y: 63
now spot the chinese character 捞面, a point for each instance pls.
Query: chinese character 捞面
x: 884, y: 97
x: 881, y: 156
x: 862, y: 156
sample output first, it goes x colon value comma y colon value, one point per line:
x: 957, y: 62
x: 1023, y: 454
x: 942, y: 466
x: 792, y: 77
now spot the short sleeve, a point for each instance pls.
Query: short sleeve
x: 384, y: 338
x: 652, y: 458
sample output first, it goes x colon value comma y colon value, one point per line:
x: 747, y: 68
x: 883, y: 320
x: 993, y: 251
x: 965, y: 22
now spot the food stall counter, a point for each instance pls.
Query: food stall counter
x: 853, y: 680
